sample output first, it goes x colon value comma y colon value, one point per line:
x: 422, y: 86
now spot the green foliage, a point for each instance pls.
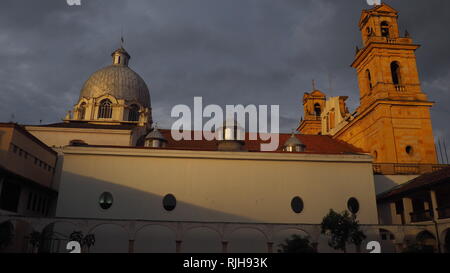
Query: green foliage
x: 89, y: 240
x: 76, y: 236
x: 296, y: 244
x: 38, y: 239
x: 6, y: 234
x: 85, y: 241
x: 342, y: 228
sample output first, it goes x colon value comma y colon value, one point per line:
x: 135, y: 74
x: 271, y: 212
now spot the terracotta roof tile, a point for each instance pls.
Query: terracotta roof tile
x: 425, y: 181
x: 314, y: 144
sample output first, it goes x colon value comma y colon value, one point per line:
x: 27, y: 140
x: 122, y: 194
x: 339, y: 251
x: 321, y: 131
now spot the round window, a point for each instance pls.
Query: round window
x: 297, y: 204
x: 169, y: 202
x: 409, y: 150
x: 353, y: 205
x: 106, y: 200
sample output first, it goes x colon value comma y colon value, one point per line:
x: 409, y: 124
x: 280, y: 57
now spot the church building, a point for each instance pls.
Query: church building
x: 115, y: 175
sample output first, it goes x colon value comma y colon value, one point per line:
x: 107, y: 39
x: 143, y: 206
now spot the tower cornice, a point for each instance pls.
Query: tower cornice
x: 403, y: 44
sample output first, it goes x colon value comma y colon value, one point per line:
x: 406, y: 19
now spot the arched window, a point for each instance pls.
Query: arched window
x: 105, y: 109
x: 133, y: 114
x: 386, y: 235
x: 369, y: 79
x: 409, y: 150
x: 385, y: 29
x: 427, y: 241
x: 82, y: 111
x: 395, y: 71
x: 317, y: 109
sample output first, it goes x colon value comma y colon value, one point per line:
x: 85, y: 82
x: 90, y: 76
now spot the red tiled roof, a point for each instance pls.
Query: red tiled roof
x: 314, y: 144
x: 423, y: 182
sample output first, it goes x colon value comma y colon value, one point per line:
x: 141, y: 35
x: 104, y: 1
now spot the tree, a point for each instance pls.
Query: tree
x: 296, y: 244
x: 89, y: 241
x: 85, y: 241
x: 342, y: 229
x: 76, y: 236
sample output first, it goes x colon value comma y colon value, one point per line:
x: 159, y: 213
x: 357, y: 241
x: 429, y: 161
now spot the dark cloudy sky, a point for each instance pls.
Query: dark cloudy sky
x: 228, y: 51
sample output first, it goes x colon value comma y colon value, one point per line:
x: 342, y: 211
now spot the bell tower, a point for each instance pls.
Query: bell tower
x: 313, y: 105
x: 386, y: 66
x: 393, y: 120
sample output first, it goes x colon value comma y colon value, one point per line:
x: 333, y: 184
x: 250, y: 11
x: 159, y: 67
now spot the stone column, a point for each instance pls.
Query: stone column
x: 224, y: 247
x: 130, y: 246
x: 269, y: 247
x: 407, y: 209
x: 178, y: 246
x: 434, y: 205
x: 393, y: 211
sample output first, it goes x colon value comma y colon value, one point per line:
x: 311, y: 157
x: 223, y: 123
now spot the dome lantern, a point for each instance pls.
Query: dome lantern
x: 155, y: 139
x: 293, y: 144
x: 231, y: 136
x: 120, y: 57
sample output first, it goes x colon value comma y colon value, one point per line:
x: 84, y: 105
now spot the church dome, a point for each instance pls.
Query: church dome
x: 117, y: 80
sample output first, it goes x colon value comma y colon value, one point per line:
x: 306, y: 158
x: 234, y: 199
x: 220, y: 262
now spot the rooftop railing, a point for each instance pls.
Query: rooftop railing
x: 421, y: 216
x: 398, y: 40
x: 444, y: 212
x: 406, y: 169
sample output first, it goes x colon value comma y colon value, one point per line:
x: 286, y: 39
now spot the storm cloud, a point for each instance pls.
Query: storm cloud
x: 227, y: 51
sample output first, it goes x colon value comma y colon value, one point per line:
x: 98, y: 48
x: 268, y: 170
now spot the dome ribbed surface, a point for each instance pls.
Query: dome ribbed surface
x: 119, y: 81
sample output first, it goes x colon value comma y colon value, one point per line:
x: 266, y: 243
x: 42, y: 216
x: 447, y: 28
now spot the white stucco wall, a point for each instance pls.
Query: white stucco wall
x: 213, y: 186
x: 60, y: 137
x: 384, y: 183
